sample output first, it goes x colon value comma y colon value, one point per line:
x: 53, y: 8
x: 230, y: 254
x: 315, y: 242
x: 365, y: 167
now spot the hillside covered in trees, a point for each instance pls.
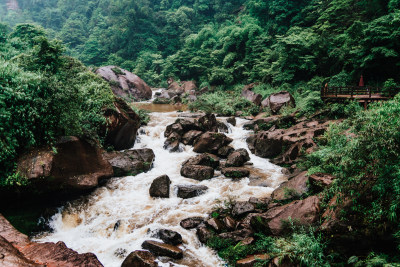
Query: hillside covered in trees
x: 227, y: 42
x: 50, y: 51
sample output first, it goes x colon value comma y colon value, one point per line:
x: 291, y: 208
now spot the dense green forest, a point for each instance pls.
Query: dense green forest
x: 228, y: 42
x: 290, y: 45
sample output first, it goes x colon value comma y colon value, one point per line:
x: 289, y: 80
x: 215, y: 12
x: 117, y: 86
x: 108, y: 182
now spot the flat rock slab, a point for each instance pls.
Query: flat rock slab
x: 161, y: 249
x: 190, y: 191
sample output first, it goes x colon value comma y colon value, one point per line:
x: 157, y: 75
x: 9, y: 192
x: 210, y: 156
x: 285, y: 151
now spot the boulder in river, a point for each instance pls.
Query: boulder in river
x: 190, y: 191
x: 161, y: 249
x: 122, y: 125
x: 169, y: 237
x: 125, y: 84
x: 140, y: 258
x: 160, y: 187
x: 235, y: 172
x: 216, y: 224
x: 203, y: 234
x: 278, y: 100
x: 242, y: 207
x: 130, y: 162
x: 190, y: 137
x: 192, y: 222
x: 197, y: 172
x: 77, y: 166
x: 211, y: 142
x: 205, y: 159
x: 237, y: 158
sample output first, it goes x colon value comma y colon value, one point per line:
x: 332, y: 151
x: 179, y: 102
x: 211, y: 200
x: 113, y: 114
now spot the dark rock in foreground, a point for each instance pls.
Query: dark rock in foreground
x: 197, y: 172
x: 211, y: 142
x: 140, y: 258
x: 169, y: 237
x: 237, y: 158
x: 161, y: 249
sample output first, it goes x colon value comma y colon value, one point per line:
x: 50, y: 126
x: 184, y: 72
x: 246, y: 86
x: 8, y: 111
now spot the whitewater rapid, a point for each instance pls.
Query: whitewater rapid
x: 87, y: 225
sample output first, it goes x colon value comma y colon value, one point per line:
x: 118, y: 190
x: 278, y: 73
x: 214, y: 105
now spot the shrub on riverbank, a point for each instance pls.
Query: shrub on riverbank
x: 44, y: 95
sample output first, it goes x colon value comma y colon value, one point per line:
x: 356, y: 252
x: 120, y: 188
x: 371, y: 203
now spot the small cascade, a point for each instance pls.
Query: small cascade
x: 117, y: 218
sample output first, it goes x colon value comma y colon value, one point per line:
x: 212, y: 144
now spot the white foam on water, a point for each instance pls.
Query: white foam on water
x: 88, y: 225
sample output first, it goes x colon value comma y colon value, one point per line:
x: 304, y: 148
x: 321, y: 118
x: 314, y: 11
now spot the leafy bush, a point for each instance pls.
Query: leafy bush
x: 45, y: 95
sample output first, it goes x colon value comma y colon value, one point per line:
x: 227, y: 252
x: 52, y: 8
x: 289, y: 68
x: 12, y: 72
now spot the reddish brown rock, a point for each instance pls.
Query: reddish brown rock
x: 294, y: 188
x: 276, y: 101
x: 140, y: 258
x: 238, y: 235
x: 190, y: 137
x: 250, y: 95
x: 321, y: 180
x: 230, y: 223
x: 242, y: 207
x: 303, y: 212
x: 19, y: 250
x: 216, y: 224
x: 77, y: 165
x: 122, y: 125
x: 203, y: 234
x: 211, y: 142
x: 252, y: 260
x: 124, y: 83
x: 288, y: 144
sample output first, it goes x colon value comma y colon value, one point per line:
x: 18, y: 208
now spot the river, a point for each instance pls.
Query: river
x: 87, y: 225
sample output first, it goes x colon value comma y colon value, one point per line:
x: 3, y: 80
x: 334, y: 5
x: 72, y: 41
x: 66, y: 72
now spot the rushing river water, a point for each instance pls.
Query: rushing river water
x: 88, y: 225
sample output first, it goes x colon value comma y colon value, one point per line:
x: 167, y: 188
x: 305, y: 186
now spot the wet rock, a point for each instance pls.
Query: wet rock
x: 10, y: 256
x: 189, y: 124
x: 224, y: 151
x: 206, y: 159
x: 27, y: 253
x: 242, y: 207
x: 192, y: 222
x: 238, y: 235
x: 160, y: 187
x: 294, y: 188
x: 235, y: 172
x: 303, y: 212
x: 122, y: 125
x: 276, y: 101
x: 161, y: 249
x: 209, y: 123
x: 169, y: 237
x: 232, y: 120
x: 216, y: 224
x: 289, y: 143
x: 237, y: 158
x: 172, y: 143
x: 190, y: 137
x: 252, y: 260
x: 190, y: 191
x: 203, y: 234
x: 124, y: 83
x: 174, y: 128
x: 197, y: 172
x: 211, y: 142
x: 222, y: 127
x: 140, y: 258
x: 77, y: 166
x: 230, y: 223
x: 130, y: 162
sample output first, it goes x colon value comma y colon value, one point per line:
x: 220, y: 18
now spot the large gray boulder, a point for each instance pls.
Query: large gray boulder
x: 125, y: 84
